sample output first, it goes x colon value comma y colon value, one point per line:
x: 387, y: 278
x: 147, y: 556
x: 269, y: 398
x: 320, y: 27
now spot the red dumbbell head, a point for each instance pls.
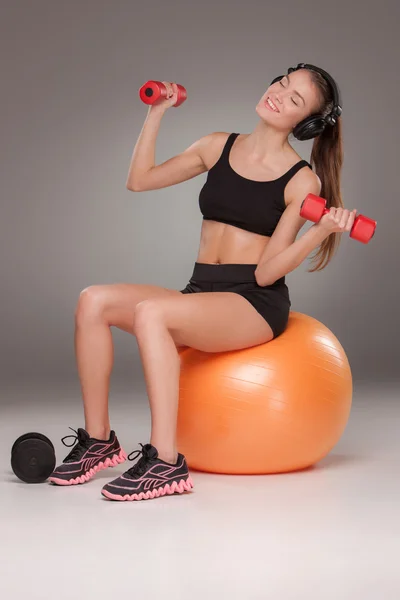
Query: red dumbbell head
x: 363, y: 229
x: 313, y: 208
x: 151, y: 91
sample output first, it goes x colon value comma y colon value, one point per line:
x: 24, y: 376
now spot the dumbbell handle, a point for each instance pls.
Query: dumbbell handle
x: 313, y: 208
x: 153, y: 91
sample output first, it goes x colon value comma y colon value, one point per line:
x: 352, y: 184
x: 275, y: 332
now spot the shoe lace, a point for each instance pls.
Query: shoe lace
x: 142, y: 463
x: 78, y: 450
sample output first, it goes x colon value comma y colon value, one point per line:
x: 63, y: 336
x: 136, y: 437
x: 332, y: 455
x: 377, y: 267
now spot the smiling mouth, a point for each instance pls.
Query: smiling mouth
x: 271, y: 105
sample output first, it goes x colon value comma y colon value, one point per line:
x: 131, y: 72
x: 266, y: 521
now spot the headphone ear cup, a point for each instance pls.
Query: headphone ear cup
x: 309, y: 128
x: 277, y: 79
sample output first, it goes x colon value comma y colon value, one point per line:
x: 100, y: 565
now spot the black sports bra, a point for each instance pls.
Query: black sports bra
x: 255, y: 206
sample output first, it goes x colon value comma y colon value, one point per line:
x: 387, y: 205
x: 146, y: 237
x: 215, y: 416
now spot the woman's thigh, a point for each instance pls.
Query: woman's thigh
x: 211, y: 322
x: 116, y: 303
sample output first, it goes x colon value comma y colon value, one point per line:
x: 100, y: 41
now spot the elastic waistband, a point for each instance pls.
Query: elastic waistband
x: 228, y: 272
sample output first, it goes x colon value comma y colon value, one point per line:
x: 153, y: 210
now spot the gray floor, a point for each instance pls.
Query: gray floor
x: 331, y: 532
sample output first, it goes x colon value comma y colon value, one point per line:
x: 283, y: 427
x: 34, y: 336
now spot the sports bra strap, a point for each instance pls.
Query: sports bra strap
x: 299, y: 165
x: 229, y: 143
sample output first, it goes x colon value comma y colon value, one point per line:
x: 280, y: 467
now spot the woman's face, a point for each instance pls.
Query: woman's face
x: 295, y: 97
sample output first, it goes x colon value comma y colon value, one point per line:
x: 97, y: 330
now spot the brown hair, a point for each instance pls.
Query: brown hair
x: 327, y: 160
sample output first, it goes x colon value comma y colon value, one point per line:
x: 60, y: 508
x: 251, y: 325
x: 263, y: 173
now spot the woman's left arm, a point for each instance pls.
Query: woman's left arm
x: 283, y: 252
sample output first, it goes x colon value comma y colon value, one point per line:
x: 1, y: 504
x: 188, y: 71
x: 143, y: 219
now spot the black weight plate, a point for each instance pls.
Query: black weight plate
x: 31, y: 435
x: 33, y: 460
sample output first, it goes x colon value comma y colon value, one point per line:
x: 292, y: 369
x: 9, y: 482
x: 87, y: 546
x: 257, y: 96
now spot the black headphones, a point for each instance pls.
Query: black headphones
x: 315, y: 124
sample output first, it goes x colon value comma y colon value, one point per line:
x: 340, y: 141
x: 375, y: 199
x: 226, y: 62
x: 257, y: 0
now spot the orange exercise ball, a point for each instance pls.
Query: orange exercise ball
x: 272, y: 408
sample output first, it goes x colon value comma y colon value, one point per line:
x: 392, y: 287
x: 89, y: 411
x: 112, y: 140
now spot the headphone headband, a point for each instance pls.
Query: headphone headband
x: 337, y: 101
x: 315, y: 124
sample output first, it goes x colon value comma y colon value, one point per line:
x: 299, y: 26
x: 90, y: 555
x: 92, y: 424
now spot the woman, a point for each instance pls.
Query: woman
x: 250, y: 203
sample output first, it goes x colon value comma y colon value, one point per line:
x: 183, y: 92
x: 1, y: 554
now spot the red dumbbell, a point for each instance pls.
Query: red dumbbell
x: 313, y: 208
x: 152, y: 91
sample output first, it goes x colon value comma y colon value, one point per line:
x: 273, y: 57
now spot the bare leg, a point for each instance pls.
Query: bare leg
x: 161, y: 367
x: 94, y: 351
x: 99, y: 308
x: 210, y: 322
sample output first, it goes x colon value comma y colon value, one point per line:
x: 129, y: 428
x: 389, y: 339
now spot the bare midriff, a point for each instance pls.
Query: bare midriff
x: 225, y: 244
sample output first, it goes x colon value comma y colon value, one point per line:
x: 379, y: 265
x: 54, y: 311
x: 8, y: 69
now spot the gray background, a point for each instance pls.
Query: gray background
x: 70, y: 116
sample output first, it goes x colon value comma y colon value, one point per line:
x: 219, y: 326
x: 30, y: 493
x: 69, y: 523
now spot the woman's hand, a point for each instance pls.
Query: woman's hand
x: 163, y: 104
x: 337, y: 220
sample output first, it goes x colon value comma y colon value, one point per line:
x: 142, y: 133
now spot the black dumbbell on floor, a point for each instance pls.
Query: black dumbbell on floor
x: 33, y: 457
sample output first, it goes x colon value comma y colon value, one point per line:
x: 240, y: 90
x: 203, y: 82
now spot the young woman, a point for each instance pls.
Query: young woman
x: 237, y: 296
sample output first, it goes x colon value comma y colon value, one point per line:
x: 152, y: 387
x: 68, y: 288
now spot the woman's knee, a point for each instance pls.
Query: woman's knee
x: 91, y: 303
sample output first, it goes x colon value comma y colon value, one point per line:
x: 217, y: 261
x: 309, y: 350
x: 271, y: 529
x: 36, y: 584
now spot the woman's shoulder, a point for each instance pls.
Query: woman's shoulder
x: 213, y: 147
x: 305, y: 181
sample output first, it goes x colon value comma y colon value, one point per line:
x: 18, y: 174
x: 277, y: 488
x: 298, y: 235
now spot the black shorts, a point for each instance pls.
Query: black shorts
x: 271, y: 301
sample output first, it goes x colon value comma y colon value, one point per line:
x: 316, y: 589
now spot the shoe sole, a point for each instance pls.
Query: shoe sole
x: 174, y: 488
x: 109, y: 462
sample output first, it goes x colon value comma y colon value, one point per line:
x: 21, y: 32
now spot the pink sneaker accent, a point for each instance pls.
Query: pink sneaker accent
x: 174, y: 488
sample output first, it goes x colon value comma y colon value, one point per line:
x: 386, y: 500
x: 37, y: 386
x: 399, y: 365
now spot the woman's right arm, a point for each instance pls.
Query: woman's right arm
x: 145, y: 175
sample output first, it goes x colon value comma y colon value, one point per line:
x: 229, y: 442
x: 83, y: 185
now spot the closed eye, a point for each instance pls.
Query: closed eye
x: 291, y: 97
